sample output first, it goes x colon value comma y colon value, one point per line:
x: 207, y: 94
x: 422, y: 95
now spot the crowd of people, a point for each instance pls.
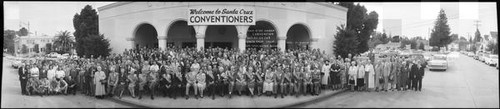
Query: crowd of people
x: 176, y: 72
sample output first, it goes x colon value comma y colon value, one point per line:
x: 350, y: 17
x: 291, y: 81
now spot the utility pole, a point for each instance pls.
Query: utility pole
x: 429, y: 32
x: 477, y: 23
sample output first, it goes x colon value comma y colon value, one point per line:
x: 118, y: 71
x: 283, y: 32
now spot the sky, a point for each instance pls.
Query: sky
x: 396, y: 18
x: 417, y: 18
x: 47, y: 18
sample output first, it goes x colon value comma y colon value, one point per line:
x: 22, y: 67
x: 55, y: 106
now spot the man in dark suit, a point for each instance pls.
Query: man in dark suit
x: 211, y: 79
x: 23, y: 78
x: 419, y: 76
x: 413, y: 72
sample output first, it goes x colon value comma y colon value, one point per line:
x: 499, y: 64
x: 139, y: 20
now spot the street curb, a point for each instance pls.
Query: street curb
x: 125, y: 102
x: 137, y: 105
x: 313, y: 101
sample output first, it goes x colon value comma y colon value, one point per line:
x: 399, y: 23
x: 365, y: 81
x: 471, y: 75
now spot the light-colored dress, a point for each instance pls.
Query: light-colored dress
x: 325, y: 69
x: 99, y: 87
x: 371, y: 75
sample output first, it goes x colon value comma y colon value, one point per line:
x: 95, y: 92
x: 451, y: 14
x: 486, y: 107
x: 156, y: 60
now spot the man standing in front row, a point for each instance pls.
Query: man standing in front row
x: 419, y: 76
x: 413, y: 72
x: 22, y: 78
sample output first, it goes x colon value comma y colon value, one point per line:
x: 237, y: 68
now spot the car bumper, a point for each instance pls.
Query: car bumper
x: 441, y: 67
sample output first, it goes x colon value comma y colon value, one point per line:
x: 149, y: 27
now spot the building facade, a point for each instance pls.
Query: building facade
x: 259, y: 25
x: 32, y: 44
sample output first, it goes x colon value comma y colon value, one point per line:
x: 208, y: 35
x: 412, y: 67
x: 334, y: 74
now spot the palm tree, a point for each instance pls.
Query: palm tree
x: 64, y: 42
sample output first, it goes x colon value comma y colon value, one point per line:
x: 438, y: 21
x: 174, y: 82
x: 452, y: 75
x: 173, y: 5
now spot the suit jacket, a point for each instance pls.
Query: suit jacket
x: 22, y: 73
x: 414, y: 70
x: 420, y: 72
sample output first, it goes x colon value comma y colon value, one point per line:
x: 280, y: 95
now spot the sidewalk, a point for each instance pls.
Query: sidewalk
x: 242, y: 101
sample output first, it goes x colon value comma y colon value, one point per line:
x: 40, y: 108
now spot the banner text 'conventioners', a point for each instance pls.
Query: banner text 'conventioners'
x: 224, y: 16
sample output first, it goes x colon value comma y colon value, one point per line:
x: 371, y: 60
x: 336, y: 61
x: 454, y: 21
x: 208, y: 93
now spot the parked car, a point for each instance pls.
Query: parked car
x: 53, y: 55
x: 438, y: 62
x: 470, y: 54
x: 16, y: 64
x: 491, y: 59
x: 482, y: 57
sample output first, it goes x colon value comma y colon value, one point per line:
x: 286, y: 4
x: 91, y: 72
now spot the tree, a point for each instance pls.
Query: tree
x: 454, y: 37
x: 99, y: 47
x: 369, y: 25
x: 385, y: 38
x: 477, y: 36
x: 413, y: 45
x: 86, y: 25
x: 440, y: 35
x: 361, y: 23
x: 8, y: 40
x: 63, y: 42
x: 493, y: 47
x: 422, y: 46
x: 22, y: 32
x: 462, y: 38
x: 486, y: 37
x: 405, y: 41
x: 345, y: 42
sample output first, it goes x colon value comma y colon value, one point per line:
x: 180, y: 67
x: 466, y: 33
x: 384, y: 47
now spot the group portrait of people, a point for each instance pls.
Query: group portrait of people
x: 188, y: 72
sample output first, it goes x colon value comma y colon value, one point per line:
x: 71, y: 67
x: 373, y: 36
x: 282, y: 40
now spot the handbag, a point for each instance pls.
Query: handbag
x: 103, y: 81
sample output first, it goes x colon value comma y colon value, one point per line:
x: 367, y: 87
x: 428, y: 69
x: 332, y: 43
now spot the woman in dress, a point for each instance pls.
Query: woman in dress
x: 251, y: 77
x: 353, y: 69
x: 99, y: 80
x: 369, y: 69
x: 201, y: 78
x: 113, y: 80
x: 268, y: 81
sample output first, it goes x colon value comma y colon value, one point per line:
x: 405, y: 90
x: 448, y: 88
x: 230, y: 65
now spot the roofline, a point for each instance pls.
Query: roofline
x: 116, y: 4
x: 331, y: 6
x: 112, y: 5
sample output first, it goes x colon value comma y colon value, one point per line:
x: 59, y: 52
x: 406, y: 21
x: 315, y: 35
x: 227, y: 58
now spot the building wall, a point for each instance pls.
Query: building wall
x: 119, y: 21
x: 31, y: 41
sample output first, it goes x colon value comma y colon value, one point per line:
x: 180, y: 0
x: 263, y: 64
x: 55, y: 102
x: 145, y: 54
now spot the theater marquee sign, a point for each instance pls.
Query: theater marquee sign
x: 221, y: 16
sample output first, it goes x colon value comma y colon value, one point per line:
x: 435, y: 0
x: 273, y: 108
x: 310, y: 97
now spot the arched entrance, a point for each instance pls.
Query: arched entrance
x: 179, y: 34
x: 298, y: 37
x: 223, y: 36
x: 262, y: 35
x: 146, y: 36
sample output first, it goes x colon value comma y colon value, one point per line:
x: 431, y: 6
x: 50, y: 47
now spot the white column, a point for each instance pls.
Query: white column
x: 130, y: 41
x: 242, y: 36
x: 200, y: 43
x: 242, y: 43
x: 200, y: 36
x: 162, y: 42
x: 282, y: 43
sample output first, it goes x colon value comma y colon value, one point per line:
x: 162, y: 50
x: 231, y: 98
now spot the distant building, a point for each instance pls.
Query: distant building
x: 388, y: 46
x: 30, y: 42
x: 453, y: 46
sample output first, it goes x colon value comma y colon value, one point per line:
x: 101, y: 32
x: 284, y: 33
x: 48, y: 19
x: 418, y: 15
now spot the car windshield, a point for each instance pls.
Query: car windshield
x: 439, y: 58
x: 494, y: 56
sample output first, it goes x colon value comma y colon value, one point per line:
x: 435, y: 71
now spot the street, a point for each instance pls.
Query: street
x: 467, y: 83
x: 12, y: 98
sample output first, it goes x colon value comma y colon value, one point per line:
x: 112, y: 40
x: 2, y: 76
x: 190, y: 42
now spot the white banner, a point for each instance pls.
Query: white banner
x: 221, y: 16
